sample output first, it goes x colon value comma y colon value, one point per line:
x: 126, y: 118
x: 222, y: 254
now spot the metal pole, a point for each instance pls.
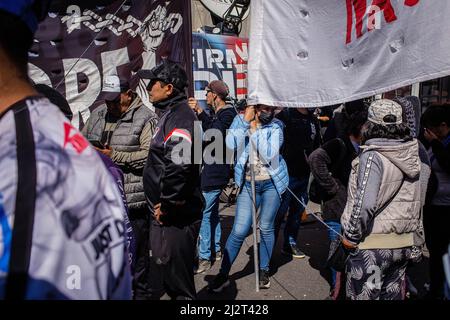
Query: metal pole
x: 255, y: 240
x: 415, y: 89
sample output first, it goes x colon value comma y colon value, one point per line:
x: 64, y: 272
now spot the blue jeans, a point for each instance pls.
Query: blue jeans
x: 336, y: 226
x: 300, y: 188
x: 210, y: 227
x: 268, y: 201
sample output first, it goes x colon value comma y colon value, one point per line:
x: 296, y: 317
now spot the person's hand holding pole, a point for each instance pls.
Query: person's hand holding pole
x: 252, y: 117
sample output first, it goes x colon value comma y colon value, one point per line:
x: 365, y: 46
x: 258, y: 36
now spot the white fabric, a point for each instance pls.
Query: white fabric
x: 299, y: 55
x: 78, y: 247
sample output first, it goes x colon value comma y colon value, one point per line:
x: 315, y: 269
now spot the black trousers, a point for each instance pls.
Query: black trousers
x: 172, y: 259
x: 140, y: 222
x: 436, y: 222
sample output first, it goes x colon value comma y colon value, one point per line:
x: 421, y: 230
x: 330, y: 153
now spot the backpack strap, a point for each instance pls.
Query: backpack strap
x: 17, y: 279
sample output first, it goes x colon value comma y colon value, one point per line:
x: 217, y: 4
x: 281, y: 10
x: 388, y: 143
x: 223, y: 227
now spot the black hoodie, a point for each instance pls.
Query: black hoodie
x: 301, y: 137
x: 216, y: 175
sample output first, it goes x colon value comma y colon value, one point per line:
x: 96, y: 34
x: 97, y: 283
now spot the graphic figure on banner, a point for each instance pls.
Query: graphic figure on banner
x: 123, y: 42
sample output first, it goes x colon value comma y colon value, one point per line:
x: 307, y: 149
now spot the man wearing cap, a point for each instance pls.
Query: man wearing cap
x: 171, y: 183
x: 382, y: 215
x: 61, y: 215
x: 122, y: 129
x: 216, y: 175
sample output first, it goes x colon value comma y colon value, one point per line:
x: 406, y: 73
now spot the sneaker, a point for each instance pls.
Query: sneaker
x: 294, y: 251
x: 220, y: 282
x: 218, y: 255
x: 203, y: 265
x: 264, y: 280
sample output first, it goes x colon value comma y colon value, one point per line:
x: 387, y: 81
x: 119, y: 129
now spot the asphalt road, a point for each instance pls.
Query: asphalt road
x: 291, y: 279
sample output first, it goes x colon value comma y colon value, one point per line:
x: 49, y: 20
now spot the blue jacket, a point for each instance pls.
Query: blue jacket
x: 268, y: 140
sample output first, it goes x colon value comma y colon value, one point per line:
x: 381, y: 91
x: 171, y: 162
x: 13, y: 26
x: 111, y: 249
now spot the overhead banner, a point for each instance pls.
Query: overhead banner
x: 77, y: 47
x: 322, y: 52
x: 217, y: 57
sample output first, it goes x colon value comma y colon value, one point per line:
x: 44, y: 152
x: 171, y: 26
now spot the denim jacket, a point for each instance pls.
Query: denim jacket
x: 268, y: 140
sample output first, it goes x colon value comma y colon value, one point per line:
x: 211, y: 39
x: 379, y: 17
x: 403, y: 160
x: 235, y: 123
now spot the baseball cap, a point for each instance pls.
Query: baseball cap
x: 380, y: 109
x: 219, y: 87
x: 168, y: 72
x: 113, y: 86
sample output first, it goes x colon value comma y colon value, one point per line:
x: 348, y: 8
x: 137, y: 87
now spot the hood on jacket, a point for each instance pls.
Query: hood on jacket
x: 404, y: 155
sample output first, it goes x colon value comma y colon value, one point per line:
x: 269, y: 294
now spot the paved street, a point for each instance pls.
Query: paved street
x: 291, y: 279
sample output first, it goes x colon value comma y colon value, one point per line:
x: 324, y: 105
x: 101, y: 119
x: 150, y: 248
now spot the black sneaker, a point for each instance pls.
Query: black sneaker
x: 293, y: 251
x: 219, y: 283
x: 264, y: 280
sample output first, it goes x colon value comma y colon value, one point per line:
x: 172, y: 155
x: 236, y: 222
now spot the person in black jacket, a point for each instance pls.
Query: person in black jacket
x: 171, y: 184
x: 215, y: 175
x: 302, y: 136
x: 331, y: 166
x: 337, y: 126
x: 436, y: 121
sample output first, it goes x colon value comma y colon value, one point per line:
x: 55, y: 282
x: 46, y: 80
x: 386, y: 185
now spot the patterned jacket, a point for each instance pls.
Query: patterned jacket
x: 78, y: 246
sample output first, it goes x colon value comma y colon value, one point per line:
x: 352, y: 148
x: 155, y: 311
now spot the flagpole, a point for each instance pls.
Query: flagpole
x: 255, y: 239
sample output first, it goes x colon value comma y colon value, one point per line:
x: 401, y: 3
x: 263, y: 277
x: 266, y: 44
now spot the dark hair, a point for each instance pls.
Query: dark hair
x: 355, y: 106
x: 15, y: 40
x: 355, y: 122
x: 435, y: 115
x: 391, y: 131
x: 175, y: 91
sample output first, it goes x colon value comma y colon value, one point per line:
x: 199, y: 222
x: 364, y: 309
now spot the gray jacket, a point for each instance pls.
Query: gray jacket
x: 130, y: 142
x: 384, y: 167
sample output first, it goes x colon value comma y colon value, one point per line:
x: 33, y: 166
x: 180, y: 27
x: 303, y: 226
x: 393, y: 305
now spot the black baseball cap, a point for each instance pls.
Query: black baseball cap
x: 168, y: 72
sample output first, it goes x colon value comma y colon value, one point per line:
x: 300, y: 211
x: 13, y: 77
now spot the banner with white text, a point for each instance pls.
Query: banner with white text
x: 81, y: 43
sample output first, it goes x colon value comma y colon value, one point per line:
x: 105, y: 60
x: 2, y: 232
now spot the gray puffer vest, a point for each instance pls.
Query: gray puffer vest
x: 126, y: 138
x: 394, y: 165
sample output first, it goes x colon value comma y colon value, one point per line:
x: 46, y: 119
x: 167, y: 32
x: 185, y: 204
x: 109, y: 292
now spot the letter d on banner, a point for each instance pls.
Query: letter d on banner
x: 80, y: 101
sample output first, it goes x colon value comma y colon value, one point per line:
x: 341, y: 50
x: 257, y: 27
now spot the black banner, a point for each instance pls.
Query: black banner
x: 80, y: 43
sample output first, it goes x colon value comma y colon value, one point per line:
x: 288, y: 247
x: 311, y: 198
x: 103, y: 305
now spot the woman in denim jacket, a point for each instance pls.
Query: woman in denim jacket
x: 256, y: 137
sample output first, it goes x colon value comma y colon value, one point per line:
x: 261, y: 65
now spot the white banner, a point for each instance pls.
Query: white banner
x: 322, y: 52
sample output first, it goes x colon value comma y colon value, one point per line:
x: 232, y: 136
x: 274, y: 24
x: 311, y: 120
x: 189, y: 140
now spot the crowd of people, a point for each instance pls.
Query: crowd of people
x: 127, y: 208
